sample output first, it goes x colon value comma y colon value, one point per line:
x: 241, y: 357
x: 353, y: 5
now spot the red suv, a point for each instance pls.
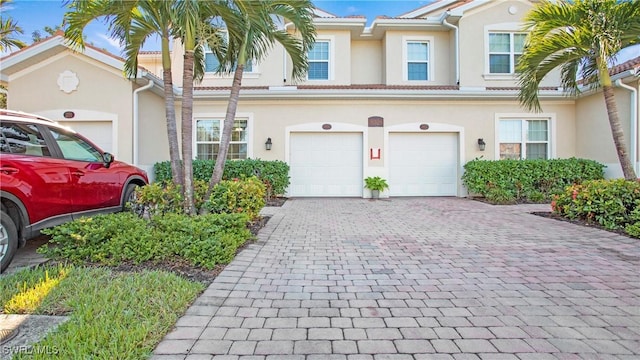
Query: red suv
x: 50, y: 175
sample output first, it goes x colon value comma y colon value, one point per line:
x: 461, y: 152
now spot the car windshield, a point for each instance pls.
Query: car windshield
x: 74, y: 148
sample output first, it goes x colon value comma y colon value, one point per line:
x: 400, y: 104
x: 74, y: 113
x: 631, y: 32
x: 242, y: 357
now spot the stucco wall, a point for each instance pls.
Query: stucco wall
x: 270, y: 118
x: 366, y: 62
x: 101, y: 90
x: 474, y: 28
x: 594, y: 132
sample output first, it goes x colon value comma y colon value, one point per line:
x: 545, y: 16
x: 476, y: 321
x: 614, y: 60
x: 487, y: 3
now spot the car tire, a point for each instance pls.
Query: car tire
x: 128, y: 195
x: 8, y: 240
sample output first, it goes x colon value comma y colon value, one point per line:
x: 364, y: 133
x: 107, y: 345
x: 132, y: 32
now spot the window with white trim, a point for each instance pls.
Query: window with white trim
x: 318, y: 59
x: 505, y: 48
x: 524, y: 139
x: 417, y: 60
x: 208, y: 134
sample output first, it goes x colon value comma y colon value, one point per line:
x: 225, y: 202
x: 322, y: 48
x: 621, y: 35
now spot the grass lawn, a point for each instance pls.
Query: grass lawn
x: 112, y: 314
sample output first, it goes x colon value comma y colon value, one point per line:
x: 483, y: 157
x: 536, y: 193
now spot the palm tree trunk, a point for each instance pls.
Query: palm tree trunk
x: 187, y: 132
x: 229, y: 119
x: 172, y: 129
x: 618, y: 133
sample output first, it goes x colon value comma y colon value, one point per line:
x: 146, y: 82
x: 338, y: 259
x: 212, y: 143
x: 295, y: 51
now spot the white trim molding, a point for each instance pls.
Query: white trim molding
x: 430, y: 58
x: 433, y: 128
x: 221, y: 116
x: 550, y: 117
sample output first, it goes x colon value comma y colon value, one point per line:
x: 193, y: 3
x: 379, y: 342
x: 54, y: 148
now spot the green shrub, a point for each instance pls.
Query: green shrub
x: 614, y: 204
x: 274, y: 174
x: 205, y: 240
x: 237, y: 196
x: 164, y: 198
x: 527, y: 180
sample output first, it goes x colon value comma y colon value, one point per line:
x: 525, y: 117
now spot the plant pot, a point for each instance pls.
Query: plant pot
x: 375, y: 194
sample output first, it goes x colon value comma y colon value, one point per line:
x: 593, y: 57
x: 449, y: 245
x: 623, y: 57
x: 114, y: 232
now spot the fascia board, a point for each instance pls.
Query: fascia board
x: 28, y: 52
x: 376, y: 94
x: 427, y: 9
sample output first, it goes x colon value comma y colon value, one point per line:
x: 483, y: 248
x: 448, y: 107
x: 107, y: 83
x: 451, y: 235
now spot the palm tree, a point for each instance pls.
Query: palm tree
x: 8, y: 29
x: 134, y: 22
x: 252, y: 31
x: 582, y: 38
x: 190, y: 22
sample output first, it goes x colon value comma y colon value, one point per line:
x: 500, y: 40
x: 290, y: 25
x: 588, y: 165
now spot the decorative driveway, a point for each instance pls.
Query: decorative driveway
x: 418, y: 278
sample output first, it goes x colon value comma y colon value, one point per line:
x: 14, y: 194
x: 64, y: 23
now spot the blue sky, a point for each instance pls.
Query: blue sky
x: 34, y: 15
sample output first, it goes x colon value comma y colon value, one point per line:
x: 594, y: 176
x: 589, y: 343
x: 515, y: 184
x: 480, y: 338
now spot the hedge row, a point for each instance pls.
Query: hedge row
x: 513, y: 181
x: 614, y: 204
x: 274, y: 174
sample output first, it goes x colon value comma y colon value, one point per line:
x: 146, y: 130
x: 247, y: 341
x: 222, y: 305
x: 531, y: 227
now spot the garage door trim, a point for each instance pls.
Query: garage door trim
x: 433, y: 128
x: 317, y: 127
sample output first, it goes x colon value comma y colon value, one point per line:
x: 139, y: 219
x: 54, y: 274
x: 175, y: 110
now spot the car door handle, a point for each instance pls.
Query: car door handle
x: 9, y: 170
x: 77, y: 173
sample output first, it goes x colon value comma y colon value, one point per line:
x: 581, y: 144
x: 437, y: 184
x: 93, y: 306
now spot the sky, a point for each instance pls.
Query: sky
x: 32, y: 15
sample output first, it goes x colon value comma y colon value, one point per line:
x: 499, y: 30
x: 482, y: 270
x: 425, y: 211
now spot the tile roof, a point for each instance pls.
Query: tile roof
x: 627, y: 65
x: 341, y: 87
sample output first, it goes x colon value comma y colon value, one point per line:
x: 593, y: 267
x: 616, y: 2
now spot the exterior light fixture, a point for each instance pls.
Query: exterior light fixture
x: 268, y: 144
x: 481, y: 144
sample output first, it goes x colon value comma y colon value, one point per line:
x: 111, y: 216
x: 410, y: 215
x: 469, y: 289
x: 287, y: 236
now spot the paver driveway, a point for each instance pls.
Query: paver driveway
x: 420, y: 278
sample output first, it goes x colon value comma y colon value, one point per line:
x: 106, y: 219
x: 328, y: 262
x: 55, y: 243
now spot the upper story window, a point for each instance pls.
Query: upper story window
x: 319, y: 57
x: 505, y: 49
x: 209, y: 132
x: 524, y: 139
x: 211, y: 63
x: 418, y: 60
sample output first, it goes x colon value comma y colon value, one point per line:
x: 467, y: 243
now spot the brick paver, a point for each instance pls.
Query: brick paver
x: 418, y: 278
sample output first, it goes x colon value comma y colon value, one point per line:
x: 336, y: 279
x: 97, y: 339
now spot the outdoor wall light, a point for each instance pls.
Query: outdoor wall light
x: 267, y: 145
x: 481, y: 144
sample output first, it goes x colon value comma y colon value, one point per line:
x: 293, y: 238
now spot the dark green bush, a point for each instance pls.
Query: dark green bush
x: 237, y: 196
x: 509, y: 181
x: 274, y: 174
x: 165, y: 197
x: 614, y: 204
x: 113, y: 239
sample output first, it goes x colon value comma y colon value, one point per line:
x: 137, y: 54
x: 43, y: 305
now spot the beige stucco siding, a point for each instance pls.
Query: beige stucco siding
x: 474, y: 28
x: 102, y: 91
x: 153, y: 143
x: 271, y: 119
x: 366, y: 62
x: 594, y: 131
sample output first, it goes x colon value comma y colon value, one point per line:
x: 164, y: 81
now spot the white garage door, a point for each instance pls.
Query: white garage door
x: 99, y: 132
x: 325, y: 164
x: 423, y: 164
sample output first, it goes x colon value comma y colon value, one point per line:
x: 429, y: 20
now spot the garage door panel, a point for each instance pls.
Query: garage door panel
x: 423, y: 164
x: 99, y: 132
x: 325, y: 164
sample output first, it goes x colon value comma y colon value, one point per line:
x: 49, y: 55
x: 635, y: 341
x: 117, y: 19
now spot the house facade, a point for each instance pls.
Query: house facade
x: 409, y: 99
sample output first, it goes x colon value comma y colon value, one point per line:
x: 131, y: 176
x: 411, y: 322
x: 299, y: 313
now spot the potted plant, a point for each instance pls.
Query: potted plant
x: 375, y: 184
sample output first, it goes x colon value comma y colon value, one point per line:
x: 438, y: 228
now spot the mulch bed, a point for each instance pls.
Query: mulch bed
x: 581, y: 222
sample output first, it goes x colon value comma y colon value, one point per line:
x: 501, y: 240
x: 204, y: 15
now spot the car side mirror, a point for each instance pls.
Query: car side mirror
x: 107, y: 159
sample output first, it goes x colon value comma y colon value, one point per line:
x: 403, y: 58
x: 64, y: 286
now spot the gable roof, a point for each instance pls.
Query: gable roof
x: 56, y: 44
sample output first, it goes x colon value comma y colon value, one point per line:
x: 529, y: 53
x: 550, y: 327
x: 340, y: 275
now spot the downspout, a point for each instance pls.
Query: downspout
x: 634, y: 122
x: 136, y: 119
x: 284, y: 59
x: 457, y: 41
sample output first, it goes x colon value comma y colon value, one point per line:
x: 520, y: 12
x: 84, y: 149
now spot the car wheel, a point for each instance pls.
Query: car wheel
x: 8, y: 240
x: 129, y: 196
